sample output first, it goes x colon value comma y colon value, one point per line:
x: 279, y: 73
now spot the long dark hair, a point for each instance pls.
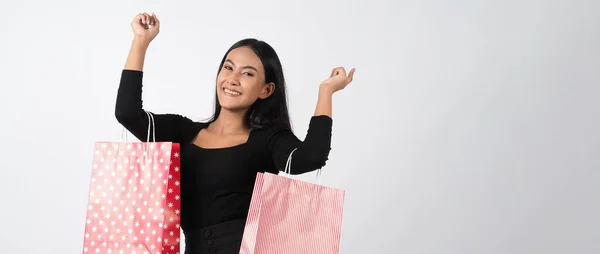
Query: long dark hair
x: 272, y: 110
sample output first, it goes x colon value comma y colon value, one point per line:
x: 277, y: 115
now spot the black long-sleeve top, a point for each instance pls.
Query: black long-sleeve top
x: 217, y: 183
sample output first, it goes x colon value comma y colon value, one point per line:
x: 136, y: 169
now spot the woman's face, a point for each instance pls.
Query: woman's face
x: 241, y: 80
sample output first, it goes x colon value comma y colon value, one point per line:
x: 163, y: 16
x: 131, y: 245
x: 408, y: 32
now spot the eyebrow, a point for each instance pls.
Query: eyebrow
x: 243, y: 67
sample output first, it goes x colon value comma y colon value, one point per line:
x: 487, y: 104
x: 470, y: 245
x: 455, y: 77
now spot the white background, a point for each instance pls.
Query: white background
x: 470, y: 127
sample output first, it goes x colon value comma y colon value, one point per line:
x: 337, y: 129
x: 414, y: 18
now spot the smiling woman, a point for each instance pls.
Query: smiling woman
x: 246, y: 86
x: 231, y: 77
x: 249, y: 132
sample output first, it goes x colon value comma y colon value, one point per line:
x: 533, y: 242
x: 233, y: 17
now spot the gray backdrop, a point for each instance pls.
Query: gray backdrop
x: 470, y: 127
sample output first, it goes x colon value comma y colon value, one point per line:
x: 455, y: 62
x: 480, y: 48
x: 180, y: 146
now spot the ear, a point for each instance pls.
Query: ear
x: 267, y: 90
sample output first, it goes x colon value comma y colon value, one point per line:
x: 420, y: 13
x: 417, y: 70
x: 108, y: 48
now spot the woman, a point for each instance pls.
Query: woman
x: 249, y: 132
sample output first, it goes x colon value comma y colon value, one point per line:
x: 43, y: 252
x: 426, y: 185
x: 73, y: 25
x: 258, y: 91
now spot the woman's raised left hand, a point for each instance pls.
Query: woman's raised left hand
x: 338, y: 80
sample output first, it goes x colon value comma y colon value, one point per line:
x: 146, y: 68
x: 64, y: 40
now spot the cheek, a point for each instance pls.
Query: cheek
x: 220, y: 79
x: 253, y: 88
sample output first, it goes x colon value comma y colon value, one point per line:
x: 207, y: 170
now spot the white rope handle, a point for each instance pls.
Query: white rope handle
x: 288, y: 164
x: 288, y: 167
x: 151, y: 120
x: 150, y: 124
x: 124, y: 135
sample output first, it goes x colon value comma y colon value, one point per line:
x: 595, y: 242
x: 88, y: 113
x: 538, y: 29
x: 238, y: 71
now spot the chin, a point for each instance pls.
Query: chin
x: 231, y: 106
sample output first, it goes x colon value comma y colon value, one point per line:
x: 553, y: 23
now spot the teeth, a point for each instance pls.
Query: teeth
x: 231, y: 92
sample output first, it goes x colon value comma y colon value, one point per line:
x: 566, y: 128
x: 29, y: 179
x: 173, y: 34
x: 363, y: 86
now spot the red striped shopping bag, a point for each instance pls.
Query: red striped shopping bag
x: 293, y: 216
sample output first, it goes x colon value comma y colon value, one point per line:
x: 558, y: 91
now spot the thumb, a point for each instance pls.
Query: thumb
x: 351, y: 75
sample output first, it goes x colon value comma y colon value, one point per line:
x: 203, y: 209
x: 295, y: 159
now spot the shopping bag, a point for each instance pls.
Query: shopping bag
x: 292, y: 216
x: 134, y: 199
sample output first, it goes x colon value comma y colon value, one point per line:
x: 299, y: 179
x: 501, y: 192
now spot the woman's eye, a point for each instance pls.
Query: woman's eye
x: 227, y: 67
x: 248, y: 74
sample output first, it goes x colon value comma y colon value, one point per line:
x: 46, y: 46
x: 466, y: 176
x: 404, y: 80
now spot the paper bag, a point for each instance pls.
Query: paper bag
x: 134, y: 199
x: 293, y: 216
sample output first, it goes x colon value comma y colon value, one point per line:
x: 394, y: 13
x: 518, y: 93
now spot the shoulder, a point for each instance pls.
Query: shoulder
x: 272, y: 131
x: 180, y: 120
x: 188, y: 127
x: 318, y: 124
x: 193, y: 125
x: 321, y: 122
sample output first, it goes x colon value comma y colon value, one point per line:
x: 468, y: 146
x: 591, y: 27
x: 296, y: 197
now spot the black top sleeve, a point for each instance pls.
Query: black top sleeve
x: 310, y: 154
x: 130, y: 113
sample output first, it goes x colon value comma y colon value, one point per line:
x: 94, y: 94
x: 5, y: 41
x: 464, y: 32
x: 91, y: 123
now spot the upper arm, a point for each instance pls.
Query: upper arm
x: 167, y: 127
x: 281, y: 142
x: 130, y: 113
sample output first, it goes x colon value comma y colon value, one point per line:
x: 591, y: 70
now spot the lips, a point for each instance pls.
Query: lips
x: 231, y: 92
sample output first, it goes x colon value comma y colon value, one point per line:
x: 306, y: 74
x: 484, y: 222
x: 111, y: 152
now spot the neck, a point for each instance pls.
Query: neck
x: 230, y: 122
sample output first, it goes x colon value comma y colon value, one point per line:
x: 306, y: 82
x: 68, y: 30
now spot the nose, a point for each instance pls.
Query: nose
x: 232, y: 82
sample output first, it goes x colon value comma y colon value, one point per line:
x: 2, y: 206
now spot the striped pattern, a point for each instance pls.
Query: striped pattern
x: 249, y: 239
x: 293, y: 216
x: 134, y: 199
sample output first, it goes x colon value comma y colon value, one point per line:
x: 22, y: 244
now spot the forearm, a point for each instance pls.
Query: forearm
x: 324, y: 103
x: 137, y: 54
x: 129, y: 110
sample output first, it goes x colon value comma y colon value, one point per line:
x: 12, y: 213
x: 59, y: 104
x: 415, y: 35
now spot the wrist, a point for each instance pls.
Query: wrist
x: 325, y: 90
x: 324, y: 102
x: 140, y: 41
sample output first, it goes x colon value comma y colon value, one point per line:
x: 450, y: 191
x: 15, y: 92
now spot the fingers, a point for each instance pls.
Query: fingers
x: 338, y: 71
x: 341, y: 71
x: 151, y: 19
x: 333, y: 72
x: 147, y: 20
x: 141, y: 19
x: 155, y: 22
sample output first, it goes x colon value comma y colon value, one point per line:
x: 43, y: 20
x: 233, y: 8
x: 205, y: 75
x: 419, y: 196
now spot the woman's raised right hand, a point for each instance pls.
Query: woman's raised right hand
x: 145, y: 27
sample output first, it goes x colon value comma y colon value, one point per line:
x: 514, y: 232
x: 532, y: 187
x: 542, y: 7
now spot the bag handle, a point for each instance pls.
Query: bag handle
x: 288, y: 167
x: 151, y: 119
x: 288, y: 164
x: 124, y: 136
